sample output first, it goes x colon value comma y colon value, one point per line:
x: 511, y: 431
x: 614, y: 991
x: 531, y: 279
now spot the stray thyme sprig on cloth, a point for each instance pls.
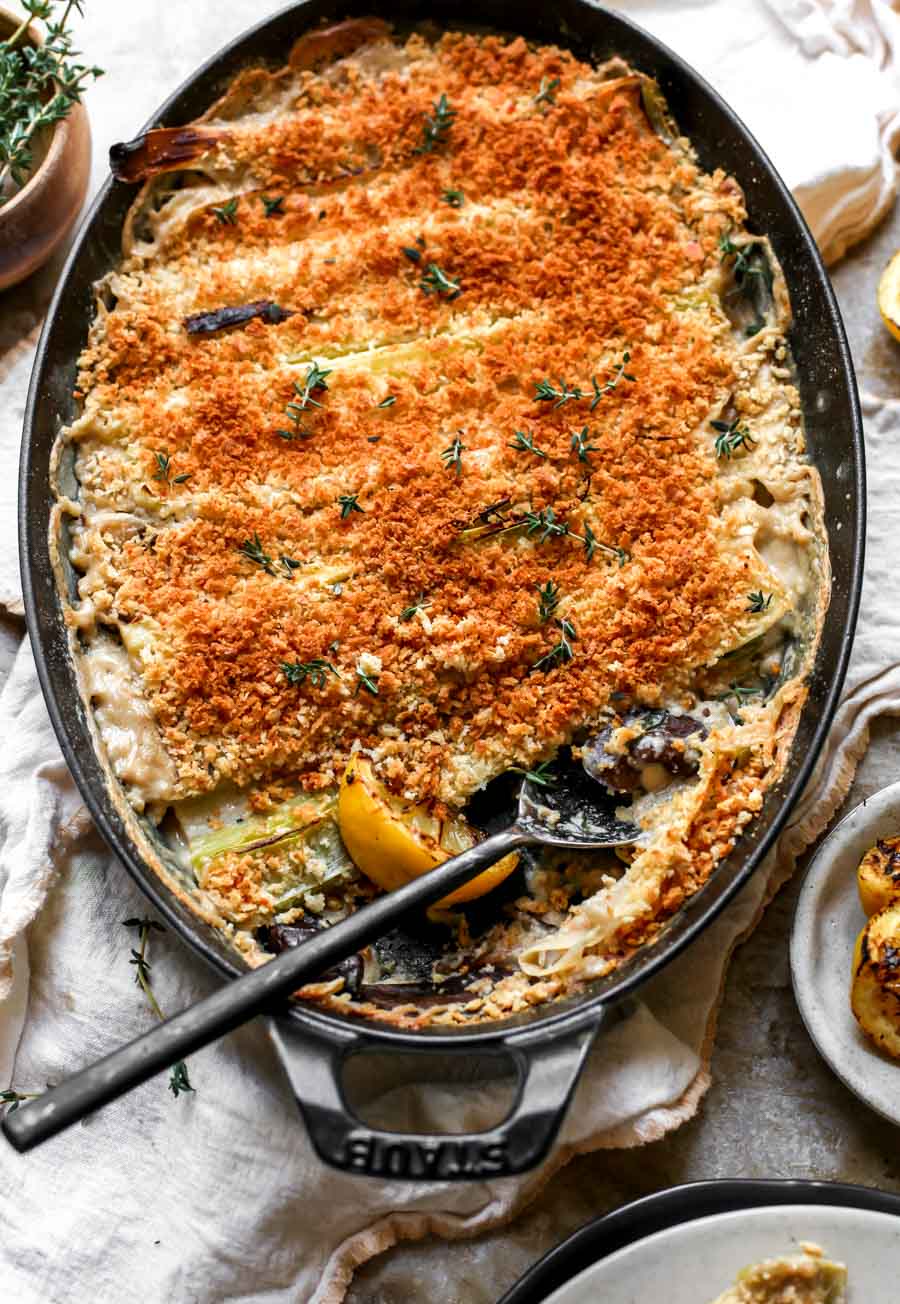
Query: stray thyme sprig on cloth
x: 178, y: 1078
x: 38, y: 87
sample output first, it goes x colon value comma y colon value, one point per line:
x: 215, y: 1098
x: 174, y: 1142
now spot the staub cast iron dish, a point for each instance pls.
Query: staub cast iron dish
x: 548, y: 1046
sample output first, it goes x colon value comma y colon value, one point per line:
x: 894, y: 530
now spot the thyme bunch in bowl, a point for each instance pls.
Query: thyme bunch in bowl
x: 39, y: 85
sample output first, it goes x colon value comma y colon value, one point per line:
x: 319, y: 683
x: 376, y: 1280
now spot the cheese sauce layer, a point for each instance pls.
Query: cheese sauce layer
x: 496, y: 444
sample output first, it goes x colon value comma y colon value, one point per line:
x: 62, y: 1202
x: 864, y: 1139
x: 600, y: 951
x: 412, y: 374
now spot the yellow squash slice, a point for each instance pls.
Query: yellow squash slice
x: 393, y: 841
x: 878, y: 876
x: 875, y: 990
x: 889, y: 296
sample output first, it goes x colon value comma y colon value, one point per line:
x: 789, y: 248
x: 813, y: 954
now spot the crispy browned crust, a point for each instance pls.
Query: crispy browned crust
x: 574, y: 289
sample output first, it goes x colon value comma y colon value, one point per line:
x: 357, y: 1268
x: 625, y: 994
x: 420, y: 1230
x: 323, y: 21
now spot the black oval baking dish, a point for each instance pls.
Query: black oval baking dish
x: 548, y: 1045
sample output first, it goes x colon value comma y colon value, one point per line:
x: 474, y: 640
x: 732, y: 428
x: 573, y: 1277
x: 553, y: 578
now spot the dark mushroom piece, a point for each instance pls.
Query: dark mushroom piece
x: 662, y: 739
x: 276, y: 938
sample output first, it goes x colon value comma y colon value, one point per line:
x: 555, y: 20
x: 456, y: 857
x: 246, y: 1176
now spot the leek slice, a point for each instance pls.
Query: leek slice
x: 297, y: 843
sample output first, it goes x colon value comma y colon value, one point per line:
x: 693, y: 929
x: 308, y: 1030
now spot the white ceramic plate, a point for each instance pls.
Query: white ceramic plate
x: 695, y: 1261
x: 827, y: 922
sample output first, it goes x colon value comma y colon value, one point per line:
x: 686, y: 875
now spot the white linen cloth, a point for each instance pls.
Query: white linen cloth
x: 217, y: 1195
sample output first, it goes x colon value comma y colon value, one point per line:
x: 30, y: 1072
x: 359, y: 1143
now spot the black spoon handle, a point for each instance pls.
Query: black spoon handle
x: 239, y: 1000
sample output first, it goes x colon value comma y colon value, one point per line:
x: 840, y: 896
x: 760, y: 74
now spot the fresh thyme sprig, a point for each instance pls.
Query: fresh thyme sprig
x: 547, y: 91
x: 592, y: 544
x: 178, y: 1078
x: 253, y: 550
x: 315, y: 380
x: 38, y: 87
x: 580, y: 446
x: 366, y: 682
x: 546, y: 392
x: 227, y: 213
x: 731, y: 438
x: 563, y: 650
x: 452, y: 456
x: 609, y: 385
x: 414, y: 608
x: 455, y: 198
x: 741, y: 268
x: 545, y: 524
x: 548, y: 600
x: 316, y: 671
x: 163, y: 470
x: 436, y: 281
x: 348, y: 504
x: 288, y: 564
x: 273, y: 206
x: 542, y: 774
x: 524, y: 443
x: 759, y: 601
x: 13, y: 1099
x: 436, y: 126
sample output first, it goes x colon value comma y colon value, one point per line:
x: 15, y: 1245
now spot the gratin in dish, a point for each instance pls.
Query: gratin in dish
x: 495, y: 453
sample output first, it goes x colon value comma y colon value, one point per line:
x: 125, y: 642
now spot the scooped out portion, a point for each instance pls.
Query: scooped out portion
x: 805, y: 1278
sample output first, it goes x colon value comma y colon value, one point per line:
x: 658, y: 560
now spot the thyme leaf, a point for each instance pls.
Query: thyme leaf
x: 542, y: 774
x: 273, y: 206
x: 414, y: 255
x: 609, y: 385
x: 315, y: 380
x: 562, y: 651
x: 545, y: 524
x: 436, y: 281
x: 253, y: 550
x: 731, y: 438
x: 13, y: 1099
x: 387, y: 402
x: 316, y: 671
x: 455, y: 198
x: 414, y: 608
x: 366, y: 682
x: 348, y: 503
x: 227, y: 213
x: 546, y: 392
x: 580, y: 446
x: 524, y: 443
x: 759, y: 601
x: 452, y: 456
x: 547, y: 91
x: 548, y: 600
x: 436, y: 126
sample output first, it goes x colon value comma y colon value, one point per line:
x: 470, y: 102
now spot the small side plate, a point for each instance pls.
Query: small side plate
x: 827, y: 922
x: 687, y: 1242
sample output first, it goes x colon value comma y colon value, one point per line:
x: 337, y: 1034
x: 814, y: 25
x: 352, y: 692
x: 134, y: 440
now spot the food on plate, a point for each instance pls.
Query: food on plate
x: 878, y: 875
x: 875, y: 989
x: 804, y: 1278
x: 889, y: 296
x: 438, y: 422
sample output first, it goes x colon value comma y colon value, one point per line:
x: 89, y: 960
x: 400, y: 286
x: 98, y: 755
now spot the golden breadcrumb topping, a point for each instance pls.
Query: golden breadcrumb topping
x: 437, y: 293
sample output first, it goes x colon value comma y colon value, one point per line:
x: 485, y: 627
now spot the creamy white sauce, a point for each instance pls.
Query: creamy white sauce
x: 130, y: 737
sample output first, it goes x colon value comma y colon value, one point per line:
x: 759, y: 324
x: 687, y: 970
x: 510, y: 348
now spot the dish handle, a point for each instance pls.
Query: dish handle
x: 547, y: 1068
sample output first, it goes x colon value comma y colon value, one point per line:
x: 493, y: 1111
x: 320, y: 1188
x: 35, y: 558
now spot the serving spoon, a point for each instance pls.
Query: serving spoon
x: 571, y: 814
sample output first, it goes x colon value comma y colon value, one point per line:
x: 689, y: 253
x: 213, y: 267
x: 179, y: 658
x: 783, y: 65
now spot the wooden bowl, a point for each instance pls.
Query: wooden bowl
x: 41, y: 214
